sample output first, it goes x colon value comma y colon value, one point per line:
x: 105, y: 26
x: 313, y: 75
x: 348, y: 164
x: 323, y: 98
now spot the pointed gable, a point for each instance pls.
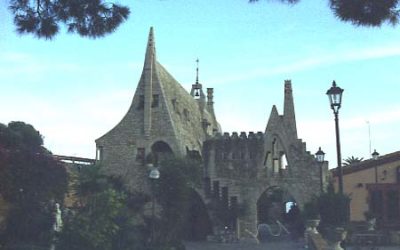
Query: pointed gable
x: 161, y: 111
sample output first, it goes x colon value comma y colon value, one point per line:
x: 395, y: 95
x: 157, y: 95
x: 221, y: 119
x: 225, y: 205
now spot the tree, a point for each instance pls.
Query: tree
x: 106, y: 217
x: 30, y: 181
x: 362, y: 12
x: 178, y: 177
x: 352, y: 160
x: 88, y: 18
x: 334, y: 208
x: 97, y: 18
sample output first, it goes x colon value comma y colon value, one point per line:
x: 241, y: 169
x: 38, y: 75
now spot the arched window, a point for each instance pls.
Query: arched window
x: 99, y: 153
x: 283, y: 163
x: 159, y: 150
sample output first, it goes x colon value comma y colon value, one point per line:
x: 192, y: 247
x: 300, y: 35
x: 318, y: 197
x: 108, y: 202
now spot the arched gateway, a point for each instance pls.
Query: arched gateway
x: 239, y: 169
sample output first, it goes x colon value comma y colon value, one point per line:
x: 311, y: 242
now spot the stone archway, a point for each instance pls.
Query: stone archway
x: 278, y: 204
x: 270, y: 205
x: 159, y: 150
x: 197, y: 221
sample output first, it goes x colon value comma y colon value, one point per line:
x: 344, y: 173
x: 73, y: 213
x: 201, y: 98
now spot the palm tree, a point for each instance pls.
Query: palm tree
x: 352, y: 160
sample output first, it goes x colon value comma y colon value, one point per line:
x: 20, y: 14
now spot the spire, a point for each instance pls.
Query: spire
x: 197, y: 71
x: 197, y: 88
x: 150, y: 50
x: 288, y: 109
x: 147, y: 76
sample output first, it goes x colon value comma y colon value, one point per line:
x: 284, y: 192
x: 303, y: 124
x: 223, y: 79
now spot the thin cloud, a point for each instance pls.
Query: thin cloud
x: 315, y: 62
x: 388, y: 116
x: 353, y: 133
x: 16, y: 65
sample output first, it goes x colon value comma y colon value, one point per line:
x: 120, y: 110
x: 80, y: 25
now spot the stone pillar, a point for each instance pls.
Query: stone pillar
x: 248, y: 223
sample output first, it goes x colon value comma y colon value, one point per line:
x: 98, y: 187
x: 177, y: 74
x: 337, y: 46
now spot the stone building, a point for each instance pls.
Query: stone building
x: 162, y: 118
x: 241, y: 171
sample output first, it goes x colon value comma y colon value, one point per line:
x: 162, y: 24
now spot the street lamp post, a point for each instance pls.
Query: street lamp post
x: 153, y: 176
x: 335, y: 99
x: 320, y: 158
x: 375, y: 156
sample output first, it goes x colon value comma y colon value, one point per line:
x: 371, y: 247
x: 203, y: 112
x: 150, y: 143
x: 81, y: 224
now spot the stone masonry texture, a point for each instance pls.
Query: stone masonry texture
x: 244, y: 164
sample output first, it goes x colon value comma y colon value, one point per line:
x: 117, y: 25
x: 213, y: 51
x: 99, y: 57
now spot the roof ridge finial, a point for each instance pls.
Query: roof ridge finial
x: 197, y: 71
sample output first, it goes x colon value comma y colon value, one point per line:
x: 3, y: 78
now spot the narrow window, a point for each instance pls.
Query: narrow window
x: 174, y: 103
x: 99, y: 153
x: 283, y: 161
x: 234, y: 155
x: 234, y: 204
x: 376, y: 202
x: 275, y: 164
x: 156, y: 100
x: 267, y: 160
x: 392, y: 205
x: 216, y: 189
x: 186, y: 114
x: 140, y: 154
x: 225, y: 197
x: 141, y: 102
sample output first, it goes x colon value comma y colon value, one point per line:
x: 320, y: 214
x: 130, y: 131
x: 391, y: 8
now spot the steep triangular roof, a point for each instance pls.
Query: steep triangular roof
x: 161, y: 109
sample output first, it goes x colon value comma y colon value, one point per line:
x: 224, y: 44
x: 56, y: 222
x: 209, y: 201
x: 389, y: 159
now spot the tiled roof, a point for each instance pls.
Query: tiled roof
x: 370, y: 163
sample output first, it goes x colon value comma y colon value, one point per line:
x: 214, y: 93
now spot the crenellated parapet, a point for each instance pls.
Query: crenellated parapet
x: 236, y: 146
x: 235, y: 155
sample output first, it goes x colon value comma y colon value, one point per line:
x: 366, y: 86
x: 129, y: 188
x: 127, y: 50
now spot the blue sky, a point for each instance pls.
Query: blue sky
x: 73, y: 89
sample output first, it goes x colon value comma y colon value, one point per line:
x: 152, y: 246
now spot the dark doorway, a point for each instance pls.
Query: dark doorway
x: 384, y: 203
x: 197, y: 222
x: 159, y: 150
x: 270, y: 206
x: 276, y: 209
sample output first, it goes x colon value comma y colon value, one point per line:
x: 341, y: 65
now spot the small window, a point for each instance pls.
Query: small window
x: 175, y: 105
x: 225, y: 197
x: 186, y: 114
x: 99, y: 153
x: 283, y: 162
x: 197, y: 93
x: 140, y: 154
x: 156, y: 100
x: 141, y: 102
x: 216, y: 189
x: 234, y: 203
x: 266, y: 159
x: 276, y: 165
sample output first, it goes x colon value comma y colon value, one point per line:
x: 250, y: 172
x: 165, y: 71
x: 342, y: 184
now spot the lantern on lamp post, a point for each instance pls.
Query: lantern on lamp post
x: 320, y: 155
x: 375, y: 156
x: 335, y: 99
x: 154, y: 175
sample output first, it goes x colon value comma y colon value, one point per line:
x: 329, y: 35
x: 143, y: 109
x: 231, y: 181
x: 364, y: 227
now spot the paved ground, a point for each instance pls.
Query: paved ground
x: 288, y: 245
x: 243, y: 246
